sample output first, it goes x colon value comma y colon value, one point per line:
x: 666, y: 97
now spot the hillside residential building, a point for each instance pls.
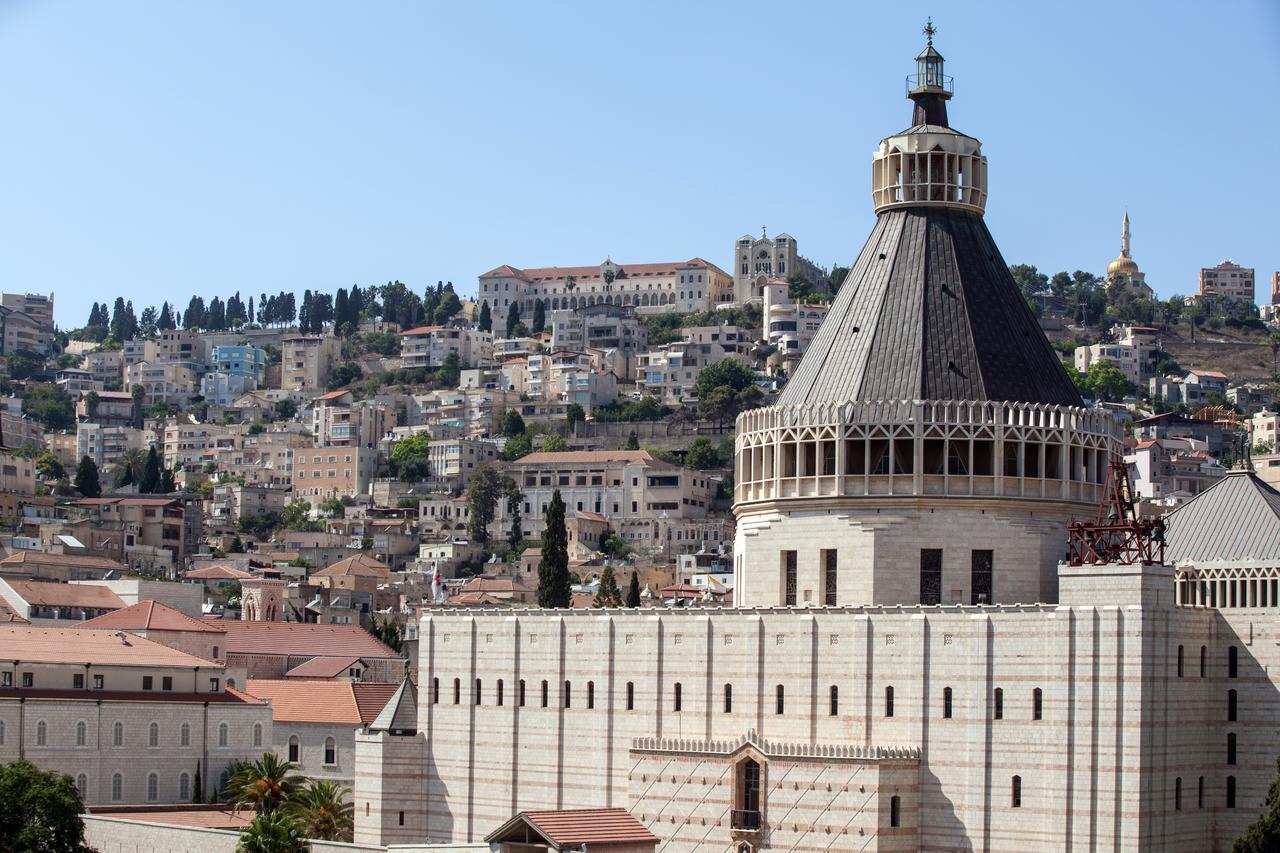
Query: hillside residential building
x: 337, y: 421
x: 670, y: 371
x: 240, y: 360
x: 105, y: 445
x: 646, y: 500
x: 568, y: 376
x: 1134, y: 352
x: 777, y: 258
x: 17, y: 473
x: 1229, y: 281
x: 453, y: 461
x: 168, y: 382
x: 429, y: 346
x: 324, y: 472
x: 306, y: 361
x: 107, y: 366
x: 602, y: 327
x: 1172, y: 468
x: 131, y: 530
x: 694, y: 285
x: 232, y: 501
x: 130, y: 720
x: 223, y: 389
x: 26, y: 323
x: 789, y: 326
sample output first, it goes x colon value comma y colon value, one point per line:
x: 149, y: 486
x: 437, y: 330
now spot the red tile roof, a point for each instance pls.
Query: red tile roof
x: 420, y: 330
x: 68, y: 560
x: 299, y: 639
x: 322, y: 701
x: 49, y: 594
x: 150, y: 616
x: 204, y: 817
x: 589, y: 274
x: 322, y: 667
x: 591, y: 827
x: 227, y: 696
x: 218, y: 573
x: 360, y: 566
x: 87, y: 645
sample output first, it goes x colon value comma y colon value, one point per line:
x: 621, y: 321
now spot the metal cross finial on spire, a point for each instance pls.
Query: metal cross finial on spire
x: 929, y: 30
x: 764, y: 232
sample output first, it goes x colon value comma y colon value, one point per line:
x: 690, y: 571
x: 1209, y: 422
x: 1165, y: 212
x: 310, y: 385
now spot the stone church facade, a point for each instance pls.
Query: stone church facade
x: 908, y: 665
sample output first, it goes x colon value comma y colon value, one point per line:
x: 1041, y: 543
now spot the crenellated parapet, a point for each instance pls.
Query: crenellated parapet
x: 923, y: 448
x: 775, y: 749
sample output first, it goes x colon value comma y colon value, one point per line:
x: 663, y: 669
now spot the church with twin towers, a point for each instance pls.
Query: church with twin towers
x: 910, y: 663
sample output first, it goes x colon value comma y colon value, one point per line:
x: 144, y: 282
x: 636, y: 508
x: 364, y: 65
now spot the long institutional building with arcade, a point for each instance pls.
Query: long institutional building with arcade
x: 909, y: 664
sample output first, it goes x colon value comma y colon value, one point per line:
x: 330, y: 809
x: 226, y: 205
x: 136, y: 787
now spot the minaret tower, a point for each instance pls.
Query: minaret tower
x: 1125, y: 266
x: 929, y: 448
x: 1124, y: 237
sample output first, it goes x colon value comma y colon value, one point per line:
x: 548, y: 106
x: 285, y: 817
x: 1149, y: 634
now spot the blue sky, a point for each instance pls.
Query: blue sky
x: 156, y: 150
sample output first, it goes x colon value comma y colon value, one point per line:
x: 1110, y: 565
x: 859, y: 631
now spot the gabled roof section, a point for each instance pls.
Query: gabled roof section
x: 361, y: 566
x: 230, y: 573
x: 593, y: 828
x: 322, y: 667
x: 50, y: 594
x: 87, y: 645
x: 399, y: 714
x: 300, y: 639
x: 1235, y: 519
x: 150, y: 616
x: 930, y: 312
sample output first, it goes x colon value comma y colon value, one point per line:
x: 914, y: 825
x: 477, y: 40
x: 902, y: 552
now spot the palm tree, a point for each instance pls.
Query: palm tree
x: 323, y: 811
x: 272, y: 833
x: 129, y: 467
x: 264, y: 784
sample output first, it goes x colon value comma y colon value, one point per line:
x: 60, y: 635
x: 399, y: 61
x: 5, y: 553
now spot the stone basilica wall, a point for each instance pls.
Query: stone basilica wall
x: 1119, y: 723
x: 877, y: 550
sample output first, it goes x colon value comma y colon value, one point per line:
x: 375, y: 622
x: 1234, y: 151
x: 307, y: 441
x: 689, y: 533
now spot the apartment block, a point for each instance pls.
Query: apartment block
x: 1227, y: 280
x: 306, y: 361
x: 429, y: 346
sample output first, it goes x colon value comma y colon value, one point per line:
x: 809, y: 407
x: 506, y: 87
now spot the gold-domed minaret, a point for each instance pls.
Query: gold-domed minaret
x: 1125, y: 266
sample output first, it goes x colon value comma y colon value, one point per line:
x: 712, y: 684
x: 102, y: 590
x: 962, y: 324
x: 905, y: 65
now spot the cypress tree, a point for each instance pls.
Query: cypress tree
x: 513, y: 318
x: 486, y: 317
x: 539, y: 317
x: 150, y: 481
x: 87, y: 483
x: 608, y: 595
x: 633, y: 591
x: 197, y: 790
x: 553, y: 571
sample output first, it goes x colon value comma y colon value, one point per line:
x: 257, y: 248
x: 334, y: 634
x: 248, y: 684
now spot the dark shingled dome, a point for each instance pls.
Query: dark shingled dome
x: 930, y: 312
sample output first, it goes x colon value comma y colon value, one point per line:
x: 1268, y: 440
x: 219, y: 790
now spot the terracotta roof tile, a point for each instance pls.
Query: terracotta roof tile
x: 87, y: 645
x: 322, y: 701
x: 323, y: 666
x: 49, y: 594
x: 300, y: 639
x: 591, y: 827
x: 361, y: 565
x: 69, y: 560
x: 152, y: 616
x: 218, y: 573
x: 205, y: 817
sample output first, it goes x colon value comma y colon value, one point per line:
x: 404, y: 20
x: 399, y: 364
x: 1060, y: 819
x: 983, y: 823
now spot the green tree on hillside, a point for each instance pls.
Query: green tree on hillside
x: 39, y: 811
x: 554, y: 585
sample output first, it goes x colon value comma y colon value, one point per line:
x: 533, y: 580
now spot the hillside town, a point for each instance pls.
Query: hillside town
x: 635, y: 554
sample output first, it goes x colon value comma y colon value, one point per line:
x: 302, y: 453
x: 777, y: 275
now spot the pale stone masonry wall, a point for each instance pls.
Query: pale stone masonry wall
x: 1118, y: 724
x: 113, y: 835
x: 99, y: 759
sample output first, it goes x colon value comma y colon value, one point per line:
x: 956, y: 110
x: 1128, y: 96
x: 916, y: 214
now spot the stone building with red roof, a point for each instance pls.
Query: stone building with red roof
x: 129, y: 719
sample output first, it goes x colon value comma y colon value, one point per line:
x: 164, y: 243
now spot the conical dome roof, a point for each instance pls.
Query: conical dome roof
x: 930, y: 312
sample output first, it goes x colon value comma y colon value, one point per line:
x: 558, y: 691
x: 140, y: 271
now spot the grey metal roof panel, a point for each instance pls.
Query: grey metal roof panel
x: 400, y: 714
x: 930, y: 311
x: 1236, y: 519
